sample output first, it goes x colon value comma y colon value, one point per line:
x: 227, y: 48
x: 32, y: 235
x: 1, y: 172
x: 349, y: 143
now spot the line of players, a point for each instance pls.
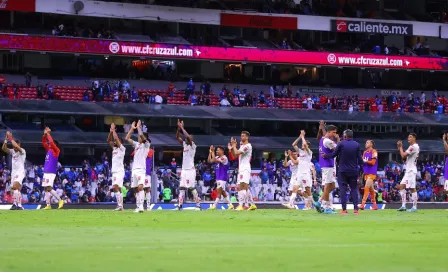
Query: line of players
x: 299, y: 160
x: 141, y: 168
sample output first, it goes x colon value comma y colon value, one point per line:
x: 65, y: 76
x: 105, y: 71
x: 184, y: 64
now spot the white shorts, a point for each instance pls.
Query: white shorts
x: 445, y: 187
x: 410, y: 179
x: 48, y: 179
x: 221, y: 184
x: 188, y: 178
x: 304, y: 180
x: 293, y: 182
x: 117, y: 179
x: 138, y: 178
x: 147, y: 182
x: 243, y: 177
x: 328, y: 175
x: 17, y: 177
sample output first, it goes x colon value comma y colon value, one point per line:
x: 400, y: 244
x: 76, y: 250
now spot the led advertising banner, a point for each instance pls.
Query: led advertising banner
x: 172, y: 51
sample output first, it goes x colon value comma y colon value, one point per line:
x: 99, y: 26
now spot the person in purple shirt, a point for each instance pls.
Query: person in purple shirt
x: 325, y: 137
x: 221, y: 169
x: 445, y: 170
x: 50, y: 168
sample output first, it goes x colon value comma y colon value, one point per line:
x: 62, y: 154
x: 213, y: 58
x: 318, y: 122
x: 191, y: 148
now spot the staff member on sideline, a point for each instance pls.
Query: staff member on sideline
x: 350, y: 158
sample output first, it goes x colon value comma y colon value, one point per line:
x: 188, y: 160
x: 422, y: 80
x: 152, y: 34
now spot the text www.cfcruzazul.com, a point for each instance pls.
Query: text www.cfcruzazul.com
x: 148, y: 50
x: 367, y: 61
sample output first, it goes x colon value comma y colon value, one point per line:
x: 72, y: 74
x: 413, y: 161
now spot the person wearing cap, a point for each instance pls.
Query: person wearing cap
x: 350, y: 160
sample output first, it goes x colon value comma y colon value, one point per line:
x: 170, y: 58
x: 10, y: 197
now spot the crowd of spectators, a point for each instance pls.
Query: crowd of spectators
x: 120, y: 91
x: 79, y: 31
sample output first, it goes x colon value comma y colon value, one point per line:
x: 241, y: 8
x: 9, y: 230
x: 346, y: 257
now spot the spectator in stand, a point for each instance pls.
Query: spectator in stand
x: 272, y: 91
x: 28, y: 79
x: 85, y: 96
x: 224, y: 102
x: 190, y: 85
x: 40, y: 90
x: 262, y: 98
x: 193, y: 99
x: 158, y: 99
x: 173, y: 165
x: 50, y: 93
x: 16, y: 91
x: 269, y: 196
x: 242, y: 98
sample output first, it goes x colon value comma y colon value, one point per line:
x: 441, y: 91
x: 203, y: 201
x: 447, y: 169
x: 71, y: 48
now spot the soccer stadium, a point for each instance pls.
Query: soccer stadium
x: 223, y: 135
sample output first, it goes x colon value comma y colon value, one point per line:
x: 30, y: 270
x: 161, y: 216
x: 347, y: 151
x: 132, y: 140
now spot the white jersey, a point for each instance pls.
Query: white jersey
x: 304, y: 161
x: 188, y: 156
x: 411, y: 160
x: 244, y: 159
x: 18, y: 161
x: 140, y: 153
x: 293, y: 167
x: 117, y: 159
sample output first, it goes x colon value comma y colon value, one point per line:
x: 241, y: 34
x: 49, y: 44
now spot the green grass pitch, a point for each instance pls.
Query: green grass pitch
x: 264, y: 240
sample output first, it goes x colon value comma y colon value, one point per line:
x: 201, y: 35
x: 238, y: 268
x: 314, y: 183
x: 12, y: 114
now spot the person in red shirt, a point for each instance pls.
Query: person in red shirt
x: 214, y: 194
x: 171, y: 86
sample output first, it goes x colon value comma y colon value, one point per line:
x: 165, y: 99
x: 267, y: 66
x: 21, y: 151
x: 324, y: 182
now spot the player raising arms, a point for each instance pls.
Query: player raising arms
x: 141, y: 149
x: 409, y: 178
x: 326, y: 145
x: 304, y: 168
x: 118, y: 152
x: 188, y: 174
x: 445, y: 171
x: 370, y: 158
x: 221, y: 168
x: 292, y: 161
x: 147, y: 185
x: 18, y: 169
x: 50, y: 169
x: 244, y: 154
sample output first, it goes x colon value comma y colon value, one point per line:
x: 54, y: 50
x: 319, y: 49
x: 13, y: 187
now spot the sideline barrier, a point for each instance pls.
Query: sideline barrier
x: 206, y: 205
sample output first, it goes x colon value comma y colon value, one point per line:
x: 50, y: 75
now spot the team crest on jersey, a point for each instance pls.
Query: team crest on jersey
x: 304, y: 181
x: 139, y: 178
x: 146, y: 181
x: 17, y: 176
x: 241, y: 176
x: 188, y: 181
x: 115, y: 178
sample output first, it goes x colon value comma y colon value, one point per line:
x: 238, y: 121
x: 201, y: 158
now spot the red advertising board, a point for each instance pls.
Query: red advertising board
x: 18, y: 5
x: 258, y: 21
x: 173, y: 51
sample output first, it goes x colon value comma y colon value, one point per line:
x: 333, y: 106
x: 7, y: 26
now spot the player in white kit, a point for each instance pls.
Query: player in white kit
x: 188, y: 174
x: 244, y: 154
x: 410, y: 176
x: 18, y: 155
x: 118, y: 152
x: 304, y: 168
x: 141, y: 149
x: 292, y: 161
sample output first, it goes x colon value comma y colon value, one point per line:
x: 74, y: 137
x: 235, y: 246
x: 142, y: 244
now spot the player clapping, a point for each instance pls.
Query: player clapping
x: 221, y: 167
x: 118, y: 152
x: 18, y: 155
x: 188, y: 174
x: 141, y: 149
x: 244, y: 154
x: 50, y: 169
